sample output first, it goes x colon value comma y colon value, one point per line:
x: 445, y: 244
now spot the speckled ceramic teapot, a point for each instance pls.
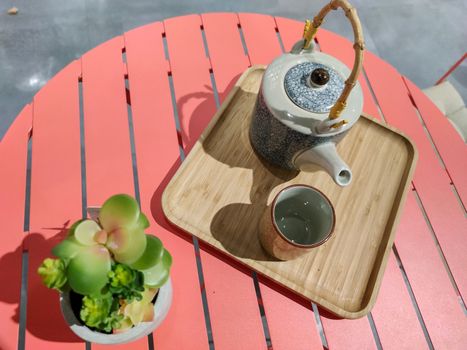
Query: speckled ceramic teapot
x: 307, y: 102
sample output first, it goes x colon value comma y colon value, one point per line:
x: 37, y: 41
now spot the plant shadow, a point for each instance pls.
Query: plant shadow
x: 43, y: 315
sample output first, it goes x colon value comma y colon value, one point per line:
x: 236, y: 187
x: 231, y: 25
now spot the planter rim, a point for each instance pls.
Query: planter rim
x: 161, y: 308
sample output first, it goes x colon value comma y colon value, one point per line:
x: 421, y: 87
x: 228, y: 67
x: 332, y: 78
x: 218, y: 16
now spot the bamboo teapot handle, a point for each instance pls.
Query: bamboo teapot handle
x: 309, y: 33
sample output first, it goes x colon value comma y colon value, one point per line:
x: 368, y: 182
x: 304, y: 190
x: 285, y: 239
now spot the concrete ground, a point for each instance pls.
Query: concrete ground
x: 421, y: 38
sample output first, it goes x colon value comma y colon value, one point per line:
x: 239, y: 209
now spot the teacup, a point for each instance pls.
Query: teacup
x: 299, y: 219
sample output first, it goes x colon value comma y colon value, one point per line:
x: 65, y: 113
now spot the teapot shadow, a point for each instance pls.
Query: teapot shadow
x: 236, y: 225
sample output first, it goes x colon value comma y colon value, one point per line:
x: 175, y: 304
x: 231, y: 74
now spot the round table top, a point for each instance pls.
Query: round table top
x: 121, y: 119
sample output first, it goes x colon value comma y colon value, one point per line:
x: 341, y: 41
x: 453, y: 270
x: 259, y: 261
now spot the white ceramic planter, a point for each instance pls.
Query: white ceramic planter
x: 161, y: 308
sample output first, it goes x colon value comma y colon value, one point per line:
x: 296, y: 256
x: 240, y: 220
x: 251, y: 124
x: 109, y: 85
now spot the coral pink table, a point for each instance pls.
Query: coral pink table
x: 122, y: 117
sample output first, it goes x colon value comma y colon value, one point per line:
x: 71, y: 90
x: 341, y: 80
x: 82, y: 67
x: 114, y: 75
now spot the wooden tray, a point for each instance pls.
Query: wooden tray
x: 222, y: 188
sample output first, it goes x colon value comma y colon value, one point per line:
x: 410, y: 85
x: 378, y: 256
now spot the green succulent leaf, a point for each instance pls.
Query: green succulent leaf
x: 71, y: 230
x: 152, y: 254
x: 86, y: 231
x: 52, y: 272
x: 100, y: 312
x: 143, y: 221
x: 127, y: 244
x: 67, y: 249
x: 118, y: 211
x: 87, y: 272
x: 157, y: 275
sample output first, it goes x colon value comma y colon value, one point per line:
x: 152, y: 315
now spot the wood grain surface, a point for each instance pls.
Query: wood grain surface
x: 222, y: 189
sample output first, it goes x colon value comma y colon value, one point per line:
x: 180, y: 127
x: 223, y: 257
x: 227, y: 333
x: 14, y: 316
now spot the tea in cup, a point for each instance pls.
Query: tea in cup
x: 299, y: 219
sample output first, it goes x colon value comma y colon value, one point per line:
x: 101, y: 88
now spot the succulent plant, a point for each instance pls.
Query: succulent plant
x: 126, y: 283
x: 101, y: 312
x: 53, y: 274
x: 112, y: 263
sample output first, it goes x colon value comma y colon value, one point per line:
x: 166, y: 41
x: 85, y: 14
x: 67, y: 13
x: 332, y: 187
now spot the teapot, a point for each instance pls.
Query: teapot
x: 306, y: 105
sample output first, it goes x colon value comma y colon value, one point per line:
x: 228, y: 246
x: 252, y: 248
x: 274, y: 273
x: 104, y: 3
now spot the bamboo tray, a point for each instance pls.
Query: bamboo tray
x: 222, y: 188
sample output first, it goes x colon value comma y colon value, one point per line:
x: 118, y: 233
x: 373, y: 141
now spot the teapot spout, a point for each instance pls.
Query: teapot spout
x: 325, y: 155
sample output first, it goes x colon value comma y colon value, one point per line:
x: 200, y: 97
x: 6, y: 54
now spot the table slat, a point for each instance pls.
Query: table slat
x: 157, y: 156
x: 393, y: 295
x: 431, y: 181
x: 191, y: 79
x: 448, y: 142
x: 56, y: 161
x: 435, y: 297
x: 260, y: 36
x: 394, y: 315
x: 291, y: 324
x: 226, y: 53
x: 230, y: 292
x: 55, y: 200
x: 107, y: 141
x: 347, y: 334
x: 290, y: 31
x: 109, y: 167
x: 13, y: 152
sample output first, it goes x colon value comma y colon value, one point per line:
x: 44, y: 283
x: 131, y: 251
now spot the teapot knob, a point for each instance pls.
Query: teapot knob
x: 319, y: 77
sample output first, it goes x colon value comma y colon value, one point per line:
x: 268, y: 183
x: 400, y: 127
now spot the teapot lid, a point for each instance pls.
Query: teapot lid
x: 303, y: 100
x: 313, y: 86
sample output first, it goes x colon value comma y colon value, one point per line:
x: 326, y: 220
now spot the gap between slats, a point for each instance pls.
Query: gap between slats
x: 133, y: 153
x: 132, y: 142
x: 84, y: 198
x: 82, y: 151
x: 25, y: 255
